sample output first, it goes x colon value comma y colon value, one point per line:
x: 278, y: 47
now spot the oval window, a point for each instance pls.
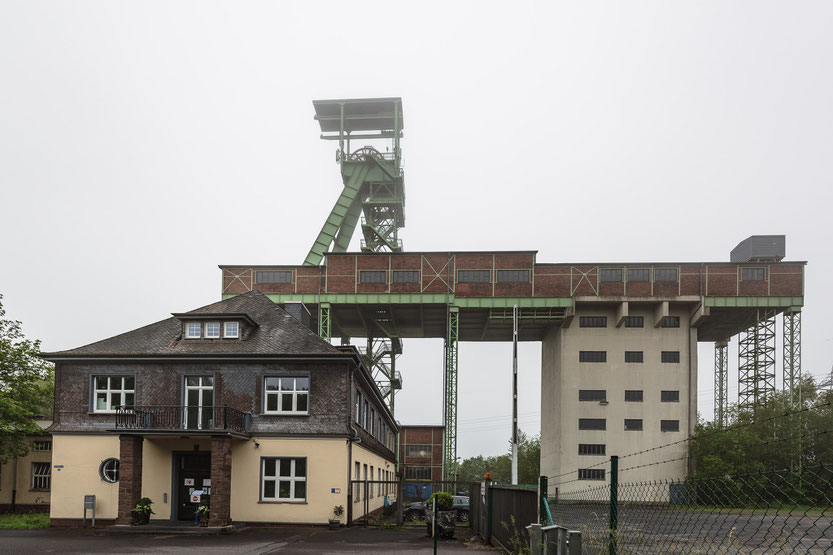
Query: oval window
x: 109, y: 470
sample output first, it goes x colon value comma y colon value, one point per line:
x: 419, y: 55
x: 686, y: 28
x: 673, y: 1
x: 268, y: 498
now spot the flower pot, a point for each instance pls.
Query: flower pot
x: 140, y: 518
x: 335, y: 524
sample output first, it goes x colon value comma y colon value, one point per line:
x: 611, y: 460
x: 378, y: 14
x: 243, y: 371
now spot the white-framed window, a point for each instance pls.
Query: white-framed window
x: 111, y: 392
x: 199, y: 402
x: 370, y: 485
x: 193, y: 330
x: 283, y: 479
x: 109, y: 470
x: 42, y: 445
x: 286, y: 395
x: 212, y: 330
x: 231, y: 330
x: 41, y: 476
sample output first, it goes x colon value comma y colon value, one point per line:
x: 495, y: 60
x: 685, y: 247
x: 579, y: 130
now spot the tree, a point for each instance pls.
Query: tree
x: 500, y: 466
x: 26, y: 386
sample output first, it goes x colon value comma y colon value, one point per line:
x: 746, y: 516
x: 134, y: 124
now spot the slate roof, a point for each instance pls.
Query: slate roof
x: 277, y: 333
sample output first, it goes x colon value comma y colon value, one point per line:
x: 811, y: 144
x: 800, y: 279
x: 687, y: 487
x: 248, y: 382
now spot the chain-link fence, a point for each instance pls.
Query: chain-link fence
x: 775, y: 511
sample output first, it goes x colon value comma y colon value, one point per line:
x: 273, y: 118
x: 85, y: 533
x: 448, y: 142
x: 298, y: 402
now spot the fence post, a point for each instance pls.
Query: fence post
x: 400, y: 499
x: 542, y: 499
x: 488, y: 537
x: 614, y: 503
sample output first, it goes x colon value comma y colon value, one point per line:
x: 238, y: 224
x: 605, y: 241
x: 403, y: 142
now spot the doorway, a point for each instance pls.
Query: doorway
x: 192, y: 472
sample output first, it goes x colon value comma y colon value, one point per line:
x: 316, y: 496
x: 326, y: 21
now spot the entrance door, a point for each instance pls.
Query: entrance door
x: 194, y: 474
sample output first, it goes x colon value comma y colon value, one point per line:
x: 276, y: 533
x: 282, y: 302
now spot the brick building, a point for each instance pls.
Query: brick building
x: 421, y: 452
x: 237, y: 399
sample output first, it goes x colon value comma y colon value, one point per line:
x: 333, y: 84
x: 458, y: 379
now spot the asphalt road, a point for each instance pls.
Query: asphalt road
x: 255, y: 540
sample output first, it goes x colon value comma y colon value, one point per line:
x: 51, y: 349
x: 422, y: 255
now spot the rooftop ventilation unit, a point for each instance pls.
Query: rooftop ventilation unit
x: 760, y: 248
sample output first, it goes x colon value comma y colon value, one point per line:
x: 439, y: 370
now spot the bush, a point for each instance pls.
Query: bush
x: 443, y: 499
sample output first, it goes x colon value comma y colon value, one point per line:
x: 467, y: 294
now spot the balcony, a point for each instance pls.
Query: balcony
x: 168, y: 419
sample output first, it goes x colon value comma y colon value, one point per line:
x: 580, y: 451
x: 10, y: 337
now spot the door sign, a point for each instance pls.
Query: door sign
x: 189, y: 481
x: 195, y: 496
x: 206, y: 482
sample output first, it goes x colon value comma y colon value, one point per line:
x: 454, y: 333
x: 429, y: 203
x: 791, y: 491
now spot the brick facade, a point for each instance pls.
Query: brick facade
x: 130, y: 476
x: 220, y: 481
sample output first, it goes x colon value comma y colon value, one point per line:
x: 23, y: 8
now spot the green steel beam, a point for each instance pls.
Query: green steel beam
x: 420, y: 299
x: 345, y: 233
x: 450, y: 381
x: 753, y: 302
x: 324, y: 321
x: 792, y: 357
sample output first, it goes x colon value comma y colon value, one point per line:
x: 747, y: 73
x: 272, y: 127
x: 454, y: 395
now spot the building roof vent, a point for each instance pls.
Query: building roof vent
x: 760, y: 248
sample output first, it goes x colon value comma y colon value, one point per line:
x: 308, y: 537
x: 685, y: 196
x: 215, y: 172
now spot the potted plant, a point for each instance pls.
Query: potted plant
x: 202, y: 512
x: 142, y: 511
x: 445, y: 515
x: 338, y: 510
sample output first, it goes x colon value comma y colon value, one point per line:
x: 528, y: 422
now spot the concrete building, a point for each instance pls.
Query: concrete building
x: 237, y: 399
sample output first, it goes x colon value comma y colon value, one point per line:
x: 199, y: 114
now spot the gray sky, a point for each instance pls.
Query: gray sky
x: 142, y: 144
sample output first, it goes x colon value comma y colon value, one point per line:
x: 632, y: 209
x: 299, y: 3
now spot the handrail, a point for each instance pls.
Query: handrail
x: 179, y: 417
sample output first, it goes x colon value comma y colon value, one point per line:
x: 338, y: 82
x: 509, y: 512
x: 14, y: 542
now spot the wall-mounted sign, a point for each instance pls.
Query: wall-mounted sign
x: 189, y: 481
x: 195, y: 496
x: 336, y: 490
x: 206, y: 481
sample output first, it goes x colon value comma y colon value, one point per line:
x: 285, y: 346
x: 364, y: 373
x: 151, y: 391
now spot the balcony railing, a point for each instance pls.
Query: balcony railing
x: 182, y: 418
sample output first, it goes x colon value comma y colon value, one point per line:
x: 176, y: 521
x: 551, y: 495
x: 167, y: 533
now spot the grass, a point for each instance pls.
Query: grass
x: 25, y: 521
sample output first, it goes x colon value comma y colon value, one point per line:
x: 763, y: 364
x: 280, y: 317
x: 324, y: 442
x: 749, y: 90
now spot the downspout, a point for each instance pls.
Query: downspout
x: 354, y: 439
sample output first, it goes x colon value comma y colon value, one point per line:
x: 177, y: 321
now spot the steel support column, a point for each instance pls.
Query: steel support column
x: 721, y: 382
x: 450, y: 381
x: 792, y: 357
x: 756, y: 362
x: 324, y: 321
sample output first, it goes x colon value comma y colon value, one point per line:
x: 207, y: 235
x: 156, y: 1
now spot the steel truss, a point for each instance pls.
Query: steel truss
x: 721, y: 382
x: 792, y: 357
x: 756, y: 362
x: 450, y: 382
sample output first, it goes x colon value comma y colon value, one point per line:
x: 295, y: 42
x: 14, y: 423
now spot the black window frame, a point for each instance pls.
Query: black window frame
x: 634, y: 357
x: 611, y: 275
x: 592, y: 449
x: 592, y: 356
x: 669, y: 396
x: 420, y: 472
x: 671, y: 322
x: 592, y: 321
x: 405, y: 276
x: 592, y: 395
x: 512, y: 276
x: 634, y: 398
x: 664, y: 274
x: 593, y: 424
x: 633, y: 424
x: 474, y: 276
x: 103, y: 470
x: 373, y: 276
x: 664, y: 425
x: 670, y: 357
x: 639, y: 275
x: 634, y: 321
x: 273, y: 276
x: 751, y: 274
x: 597, y: 474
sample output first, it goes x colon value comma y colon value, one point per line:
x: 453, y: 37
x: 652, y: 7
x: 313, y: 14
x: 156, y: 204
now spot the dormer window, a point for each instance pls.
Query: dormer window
x: 232, y: 330
x: 193, y: 330
x: 212, y: 330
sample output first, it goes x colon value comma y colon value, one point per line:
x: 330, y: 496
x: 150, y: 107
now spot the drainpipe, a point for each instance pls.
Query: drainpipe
x: 14, y: 486
x: 354, y: 439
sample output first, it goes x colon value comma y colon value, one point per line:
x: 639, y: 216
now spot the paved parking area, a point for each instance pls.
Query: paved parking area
x: 254, y: 540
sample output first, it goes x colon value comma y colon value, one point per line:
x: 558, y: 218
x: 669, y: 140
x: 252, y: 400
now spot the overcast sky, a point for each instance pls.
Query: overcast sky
x: 142, y: 144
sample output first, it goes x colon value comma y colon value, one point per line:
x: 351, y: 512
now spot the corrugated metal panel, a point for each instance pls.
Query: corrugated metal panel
x: 758, y: 248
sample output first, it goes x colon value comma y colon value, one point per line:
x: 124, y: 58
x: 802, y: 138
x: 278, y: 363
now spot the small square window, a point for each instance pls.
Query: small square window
x: 592, y: 395
x: 670, y: 356
x: 670, y: 397
x: 669, y: 425
x: 633, y: 395
x: 592, y: 424
x: 633, y: 356
x: 231, y: 330
x: 633, y: 424
x: 639, y: 274
x: 665, y: 274
x: 591, y: 474
x: 592, y: 356
x: 591, y: 448
x: 634, y: 321
x: 193, y: 330
x: 610, y: 274
x: 753, y: 274
x: 212, y: 330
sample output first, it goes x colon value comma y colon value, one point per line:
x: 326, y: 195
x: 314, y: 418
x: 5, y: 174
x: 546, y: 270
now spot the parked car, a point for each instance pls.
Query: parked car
x: 416, y: 510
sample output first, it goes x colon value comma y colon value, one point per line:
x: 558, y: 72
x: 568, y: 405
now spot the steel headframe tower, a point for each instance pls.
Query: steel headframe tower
x: 374, y: 188
x: 721, y: 382
x: 756, y: 362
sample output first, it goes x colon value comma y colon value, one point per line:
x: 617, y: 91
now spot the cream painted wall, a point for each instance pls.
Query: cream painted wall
x: 563, y: 376
x: 377, y: 499
x: 157, y: 470
x: 25, y: 496
x: 80, y: 457
x: 326, y: 469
